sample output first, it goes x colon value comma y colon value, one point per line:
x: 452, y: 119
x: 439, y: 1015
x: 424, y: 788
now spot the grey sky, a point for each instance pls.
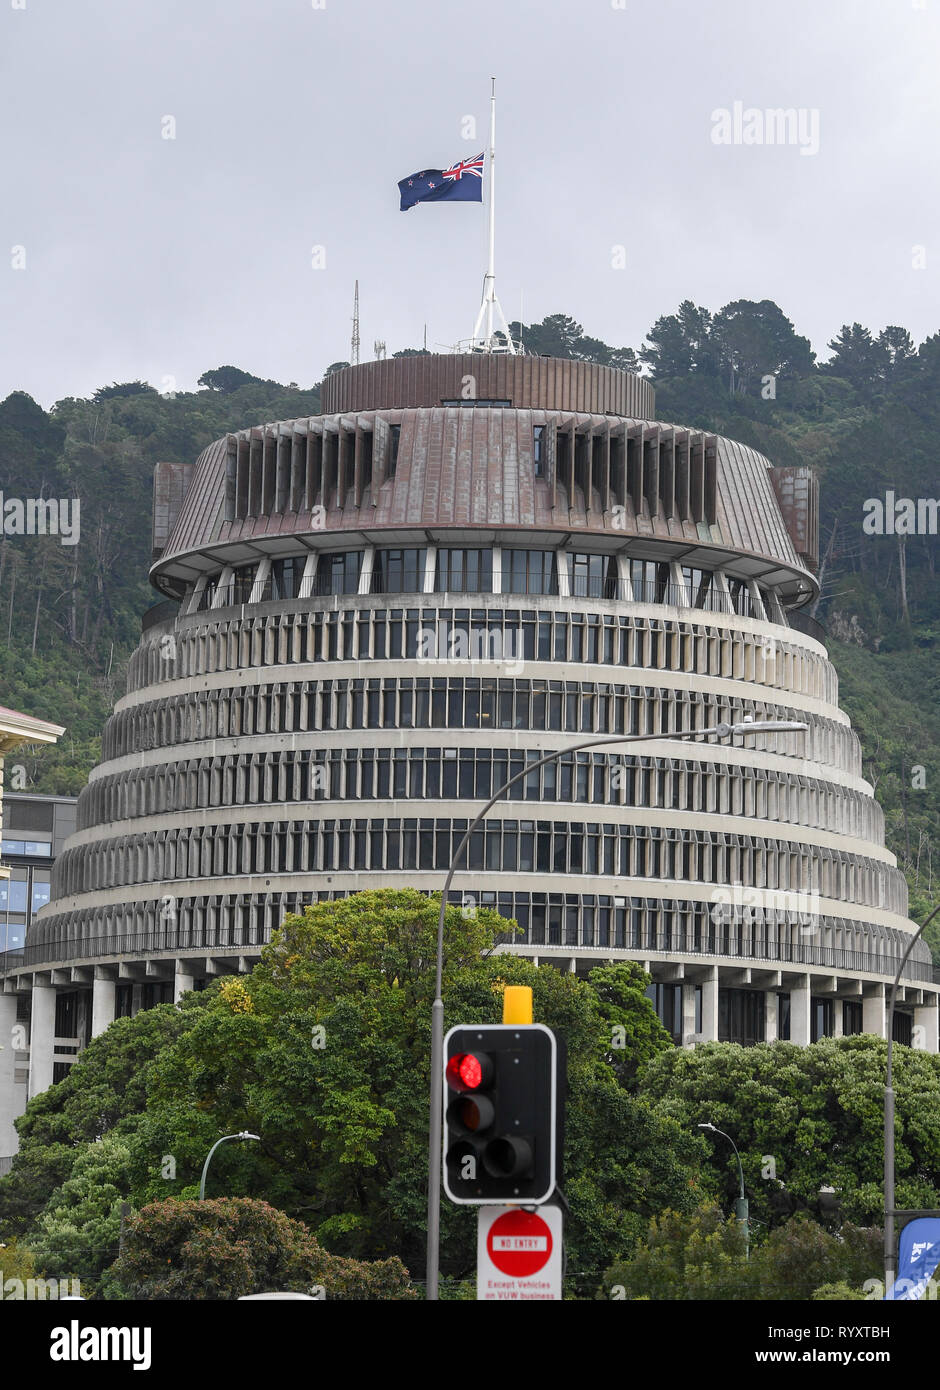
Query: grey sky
x: 157, y: 258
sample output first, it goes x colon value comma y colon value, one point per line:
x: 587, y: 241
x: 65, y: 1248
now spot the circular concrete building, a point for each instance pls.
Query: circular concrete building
x: 375, y: 616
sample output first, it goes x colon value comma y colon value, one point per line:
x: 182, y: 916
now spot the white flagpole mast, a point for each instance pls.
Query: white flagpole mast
x: 490, y: 303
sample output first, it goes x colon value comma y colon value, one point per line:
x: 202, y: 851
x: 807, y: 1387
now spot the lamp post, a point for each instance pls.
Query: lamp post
x: 890, y: 1270
x: 243, y: 1134
x: 740, y: 1206
x: 723, y: 730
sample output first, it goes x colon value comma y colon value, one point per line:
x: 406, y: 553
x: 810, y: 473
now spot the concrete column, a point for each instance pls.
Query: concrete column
x: 41, y: 1035
x: 873, y: 1012
x: 365, y: 574
x: 710, y: 1005
x: 837, y: 1018
x: 430, y: 570
x: 309, y: 574
x: 497, y: 569
x: 260, y: 579
x: 136, y: 998
x: 222, y: 596
x: 771, y: 1012
x: 12, y: 1096
x: 182, y: 981
x: 688, y: 1012
x: 564, y: 581
x: 800, y: 1011
x: 102, y: 1004
x: 927, y: 1017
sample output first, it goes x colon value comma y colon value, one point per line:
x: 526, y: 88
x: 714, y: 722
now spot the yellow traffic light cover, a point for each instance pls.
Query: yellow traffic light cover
x: 517, y: 1004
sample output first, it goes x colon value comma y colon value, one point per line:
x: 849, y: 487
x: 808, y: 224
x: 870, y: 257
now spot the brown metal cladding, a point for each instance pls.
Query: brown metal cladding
x: 469, y: 468
x: 536, y: 383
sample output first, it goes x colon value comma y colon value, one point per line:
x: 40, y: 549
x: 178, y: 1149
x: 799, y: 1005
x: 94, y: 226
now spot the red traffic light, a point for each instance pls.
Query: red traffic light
x: 467, y: 1071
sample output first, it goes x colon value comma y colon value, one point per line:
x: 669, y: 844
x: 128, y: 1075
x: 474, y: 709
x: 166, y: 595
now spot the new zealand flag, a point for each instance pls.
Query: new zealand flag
x: 461, y: 183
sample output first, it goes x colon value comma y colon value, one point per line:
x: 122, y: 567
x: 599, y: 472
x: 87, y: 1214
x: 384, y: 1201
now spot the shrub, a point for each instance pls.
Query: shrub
x: 236, y: 1245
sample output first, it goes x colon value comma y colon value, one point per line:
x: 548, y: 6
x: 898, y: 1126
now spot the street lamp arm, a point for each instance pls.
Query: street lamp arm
x: 722, y: 730
x: 242, y: 1134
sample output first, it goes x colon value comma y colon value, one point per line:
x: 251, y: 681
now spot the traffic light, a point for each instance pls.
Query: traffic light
x: 503, y: 1113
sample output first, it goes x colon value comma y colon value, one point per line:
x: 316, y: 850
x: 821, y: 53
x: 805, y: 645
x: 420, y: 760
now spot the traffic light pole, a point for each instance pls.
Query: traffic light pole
x: 435, y: 1133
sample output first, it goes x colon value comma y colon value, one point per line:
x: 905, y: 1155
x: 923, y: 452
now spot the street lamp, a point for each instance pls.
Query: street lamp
x: 243, y: 1134
x: 889, y: 1112
x: 740, y: 1206
x: 747, y: 725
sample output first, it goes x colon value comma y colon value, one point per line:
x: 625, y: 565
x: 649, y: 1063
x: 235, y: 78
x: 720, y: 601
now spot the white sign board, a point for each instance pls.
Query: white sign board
x: 519, y: 1254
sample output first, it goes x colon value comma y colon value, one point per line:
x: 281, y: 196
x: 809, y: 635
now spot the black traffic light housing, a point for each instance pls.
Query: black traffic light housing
x: 503, y: 1113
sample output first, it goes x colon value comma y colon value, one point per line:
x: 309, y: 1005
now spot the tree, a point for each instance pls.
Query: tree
x: 334, y: 367
x: 806, y: 1117
x: 754, y: 340
x: 104, y: 1093
x: 324, y: 1052
x: 636, y: 1034
x: 702, y: 1256
x: 235, y: 1246
x: 124, y: 388
x: 679, y: 344
x: 857, y: 357
x: 77, y: 1234
x: 227, y: 379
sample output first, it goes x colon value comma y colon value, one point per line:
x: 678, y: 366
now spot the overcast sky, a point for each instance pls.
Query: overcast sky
x: 160, y: 258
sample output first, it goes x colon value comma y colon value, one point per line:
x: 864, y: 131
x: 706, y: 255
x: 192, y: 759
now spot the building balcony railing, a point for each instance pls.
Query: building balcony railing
x: 160, y: 613
x: 802, y: 622
x: 712, y: 600
x: 712, y: 944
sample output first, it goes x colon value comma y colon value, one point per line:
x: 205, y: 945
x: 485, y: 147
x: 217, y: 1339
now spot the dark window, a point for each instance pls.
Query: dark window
x: 740, y: 1016
x: 464, y: 571
x: 593, y: 576
x: 820, y: 1019
x: 338, y: 572
x: 902, y: 1031
x: 286, y: 576
x: 242, y: 582
x: 650, y: 581
x: 529, y: 572
x: 667, y: 1001
x: 538, y: 452
x: 398, y: 571
x: 66, y: 1015
x: 852, y: 1017
x: 394, y: 435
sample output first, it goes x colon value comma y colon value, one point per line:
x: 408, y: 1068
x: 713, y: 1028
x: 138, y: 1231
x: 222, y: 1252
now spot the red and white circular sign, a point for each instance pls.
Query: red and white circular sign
x: 519, y: 1243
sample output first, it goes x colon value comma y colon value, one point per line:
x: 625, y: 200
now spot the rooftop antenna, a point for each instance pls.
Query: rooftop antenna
x: 486, y: 341
x: 354, y: 352
x: 378, y: 348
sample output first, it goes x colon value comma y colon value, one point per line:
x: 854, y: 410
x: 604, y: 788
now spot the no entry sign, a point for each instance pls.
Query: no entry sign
x: 519, y: 1254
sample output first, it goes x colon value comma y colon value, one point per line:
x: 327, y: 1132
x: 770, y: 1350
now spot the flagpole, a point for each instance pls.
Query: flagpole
x: 491, y: 273
x: 490, y: 304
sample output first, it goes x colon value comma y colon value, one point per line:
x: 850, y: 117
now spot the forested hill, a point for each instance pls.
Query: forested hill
x: 868, y: 419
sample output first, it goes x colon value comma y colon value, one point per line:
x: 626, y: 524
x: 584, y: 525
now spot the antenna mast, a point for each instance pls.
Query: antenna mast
x: 354, y: 353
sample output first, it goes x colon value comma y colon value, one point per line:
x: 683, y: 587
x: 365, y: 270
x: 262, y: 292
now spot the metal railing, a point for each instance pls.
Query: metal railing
x: 159, y: 613
x: 802, y: 622
x: 660, y: 592
x: 680, y: 942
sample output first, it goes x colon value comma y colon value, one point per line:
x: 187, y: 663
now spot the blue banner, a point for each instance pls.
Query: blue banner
x: 918, y: 1257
